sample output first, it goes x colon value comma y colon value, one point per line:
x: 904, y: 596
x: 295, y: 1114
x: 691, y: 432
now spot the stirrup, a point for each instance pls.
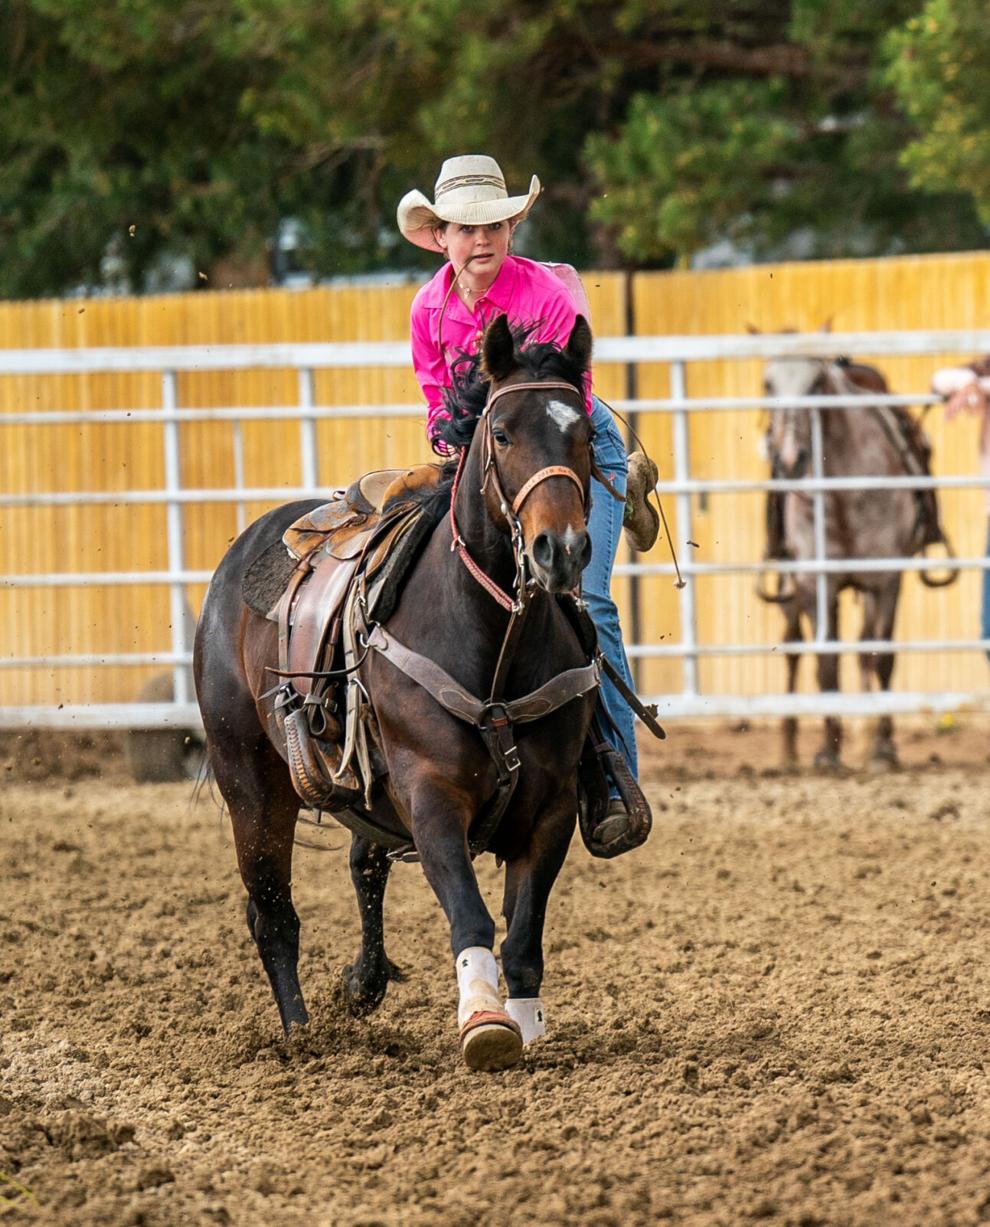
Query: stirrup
x: 640, y: 519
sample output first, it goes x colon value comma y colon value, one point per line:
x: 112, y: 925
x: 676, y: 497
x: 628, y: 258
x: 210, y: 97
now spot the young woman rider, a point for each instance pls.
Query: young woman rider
x: 471, y: 222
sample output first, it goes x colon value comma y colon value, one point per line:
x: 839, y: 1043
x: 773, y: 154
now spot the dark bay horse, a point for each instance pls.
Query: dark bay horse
x: 519, y: 510
x: 866, y: 523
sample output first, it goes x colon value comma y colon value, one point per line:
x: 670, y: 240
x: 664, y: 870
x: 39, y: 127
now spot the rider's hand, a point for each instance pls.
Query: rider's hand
x: 968, y: 399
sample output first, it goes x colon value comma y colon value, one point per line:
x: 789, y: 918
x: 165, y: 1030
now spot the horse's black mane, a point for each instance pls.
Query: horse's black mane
x: 434, y: 500
x: 466, y: 399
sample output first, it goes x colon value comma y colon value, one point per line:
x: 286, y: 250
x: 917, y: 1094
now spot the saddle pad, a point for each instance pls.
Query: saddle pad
x: 266, y: 578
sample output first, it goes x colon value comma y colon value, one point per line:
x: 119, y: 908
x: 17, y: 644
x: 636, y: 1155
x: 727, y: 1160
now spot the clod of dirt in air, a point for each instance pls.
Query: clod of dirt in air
x: 202, y: 276
x: 132, y: 230
x: 695, y: 544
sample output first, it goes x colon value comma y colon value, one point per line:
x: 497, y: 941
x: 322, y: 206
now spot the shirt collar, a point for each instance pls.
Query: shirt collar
x: 498, y: 296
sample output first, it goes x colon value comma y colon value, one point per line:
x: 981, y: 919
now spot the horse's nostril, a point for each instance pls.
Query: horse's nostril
x: 544, y: 551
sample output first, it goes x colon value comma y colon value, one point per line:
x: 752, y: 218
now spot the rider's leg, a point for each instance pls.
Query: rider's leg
x: 605, y: 527
x: 985, y: 620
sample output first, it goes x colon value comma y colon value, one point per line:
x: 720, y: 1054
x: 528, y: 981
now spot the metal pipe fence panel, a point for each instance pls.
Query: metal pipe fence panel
x: 176, y: 496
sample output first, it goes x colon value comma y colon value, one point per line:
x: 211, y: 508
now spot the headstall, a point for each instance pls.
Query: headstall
x: 511, y: 510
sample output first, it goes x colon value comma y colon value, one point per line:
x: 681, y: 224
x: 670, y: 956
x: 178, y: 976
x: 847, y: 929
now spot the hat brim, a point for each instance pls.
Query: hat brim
x: 418, y: 217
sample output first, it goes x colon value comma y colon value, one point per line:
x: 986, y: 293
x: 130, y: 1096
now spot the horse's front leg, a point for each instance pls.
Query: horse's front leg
x: 529, y: 878
x: 790, y: 726
x: 441, y: 813
x: 883, y: 755
x: 829, y: 756
x: 366, y: 979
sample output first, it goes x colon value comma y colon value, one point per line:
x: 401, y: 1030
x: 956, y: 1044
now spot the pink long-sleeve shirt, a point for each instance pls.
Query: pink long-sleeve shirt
x: 525, y: 291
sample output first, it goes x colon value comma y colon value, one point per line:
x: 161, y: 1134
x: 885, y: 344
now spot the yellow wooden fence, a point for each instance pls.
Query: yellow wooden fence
x: 921, y: 292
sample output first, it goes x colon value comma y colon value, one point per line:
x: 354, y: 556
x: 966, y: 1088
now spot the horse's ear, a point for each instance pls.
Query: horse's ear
x: 578, y: 347
x: 752, y: 329
x: 498, y: 350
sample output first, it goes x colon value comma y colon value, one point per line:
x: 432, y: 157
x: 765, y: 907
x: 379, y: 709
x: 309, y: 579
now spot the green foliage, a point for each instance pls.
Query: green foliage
x: 687, y: 168
x: 938, y: 66
x: 139, y: 131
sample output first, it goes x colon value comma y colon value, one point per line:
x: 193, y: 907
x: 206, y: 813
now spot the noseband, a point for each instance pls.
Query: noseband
x: 509, y: 510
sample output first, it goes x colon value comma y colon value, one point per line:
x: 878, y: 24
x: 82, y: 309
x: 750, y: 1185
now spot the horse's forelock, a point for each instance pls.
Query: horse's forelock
x: 795, y: 376
x: 467, y: 396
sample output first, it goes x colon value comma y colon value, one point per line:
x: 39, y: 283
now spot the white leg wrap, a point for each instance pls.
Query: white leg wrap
x: 477, y: 982
x: 528, y: 1012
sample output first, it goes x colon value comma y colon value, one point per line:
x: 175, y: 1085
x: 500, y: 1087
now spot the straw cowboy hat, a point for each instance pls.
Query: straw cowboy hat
x: 471, y: 190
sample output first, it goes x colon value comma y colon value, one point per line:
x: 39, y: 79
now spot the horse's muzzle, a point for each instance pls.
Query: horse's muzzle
x: 557, y: 559
x: 792, y: 470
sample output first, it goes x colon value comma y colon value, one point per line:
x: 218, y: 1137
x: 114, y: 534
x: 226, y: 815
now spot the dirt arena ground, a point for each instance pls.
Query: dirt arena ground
x: 777, y: 1011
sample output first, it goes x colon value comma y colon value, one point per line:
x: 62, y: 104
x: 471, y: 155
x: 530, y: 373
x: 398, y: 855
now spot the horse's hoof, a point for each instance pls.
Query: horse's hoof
x: 884, y: 762
x: 358, y: 1001
x: 491, y: 1040
x: 296, y: 1025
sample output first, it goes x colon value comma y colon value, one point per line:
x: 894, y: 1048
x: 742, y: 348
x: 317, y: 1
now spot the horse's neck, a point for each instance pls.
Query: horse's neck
x: 451, y: 617
x: 443, y: 594
x: 855, y: 439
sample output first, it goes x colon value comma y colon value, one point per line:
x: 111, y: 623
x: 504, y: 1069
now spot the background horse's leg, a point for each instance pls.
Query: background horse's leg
x: 263, y: 810
x: 883, y: 754
x: 366, y: 979
x: 828, y: 679
x: 528, y: 882
x: 792, y: 634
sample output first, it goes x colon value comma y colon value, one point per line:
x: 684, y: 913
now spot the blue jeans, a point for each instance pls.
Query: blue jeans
x: 985, y: 620
x: 605, y: 527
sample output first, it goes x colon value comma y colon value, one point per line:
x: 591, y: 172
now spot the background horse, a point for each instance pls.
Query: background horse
x: 858, y: 524
x: 534, y: 447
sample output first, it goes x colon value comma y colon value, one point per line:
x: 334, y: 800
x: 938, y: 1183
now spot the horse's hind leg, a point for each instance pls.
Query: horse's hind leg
x: 528, y: 882
x: 263, y: 810
x: 366, y: 979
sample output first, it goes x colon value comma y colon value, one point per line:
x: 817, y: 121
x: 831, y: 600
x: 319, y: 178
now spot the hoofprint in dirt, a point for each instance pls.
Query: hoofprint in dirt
x: 778, y: 1010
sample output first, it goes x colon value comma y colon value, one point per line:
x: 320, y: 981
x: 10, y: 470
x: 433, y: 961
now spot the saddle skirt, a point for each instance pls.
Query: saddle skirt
x: 357, y: 547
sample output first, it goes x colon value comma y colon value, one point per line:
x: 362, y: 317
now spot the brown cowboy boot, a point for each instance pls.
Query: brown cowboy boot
x: 640, y: 519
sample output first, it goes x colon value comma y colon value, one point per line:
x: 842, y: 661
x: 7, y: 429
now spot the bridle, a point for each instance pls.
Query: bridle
x: 510, y: 510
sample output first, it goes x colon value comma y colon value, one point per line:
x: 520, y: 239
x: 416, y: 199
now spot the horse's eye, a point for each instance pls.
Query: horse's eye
x: 500, y: 437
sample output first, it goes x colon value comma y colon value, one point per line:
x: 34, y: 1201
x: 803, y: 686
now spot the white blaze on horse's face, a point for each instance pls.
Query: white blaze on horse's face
x: 790, y: 426
x: 563, y: 415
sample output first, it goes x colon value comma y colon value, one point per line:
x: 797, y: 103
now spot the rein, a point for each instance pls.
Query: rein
x: 494, y: 717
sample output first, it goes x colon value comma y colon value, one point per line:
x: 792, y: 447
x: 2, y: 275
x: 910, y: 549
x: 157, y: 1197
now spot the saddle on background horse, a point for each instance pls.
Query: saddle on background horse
x: 912, y: 444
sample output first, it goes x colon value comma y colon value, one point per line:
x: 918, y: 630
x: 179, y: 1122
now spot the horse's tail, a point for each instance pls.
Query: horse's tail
x: 204, y: 779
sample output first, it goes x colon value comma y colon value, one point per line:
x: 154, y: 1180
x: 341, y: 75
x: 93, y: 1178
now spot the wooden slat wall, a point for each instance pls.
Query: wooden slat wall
x: 916, y: 292
x: 926, y: 292
x: 37, y: 622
